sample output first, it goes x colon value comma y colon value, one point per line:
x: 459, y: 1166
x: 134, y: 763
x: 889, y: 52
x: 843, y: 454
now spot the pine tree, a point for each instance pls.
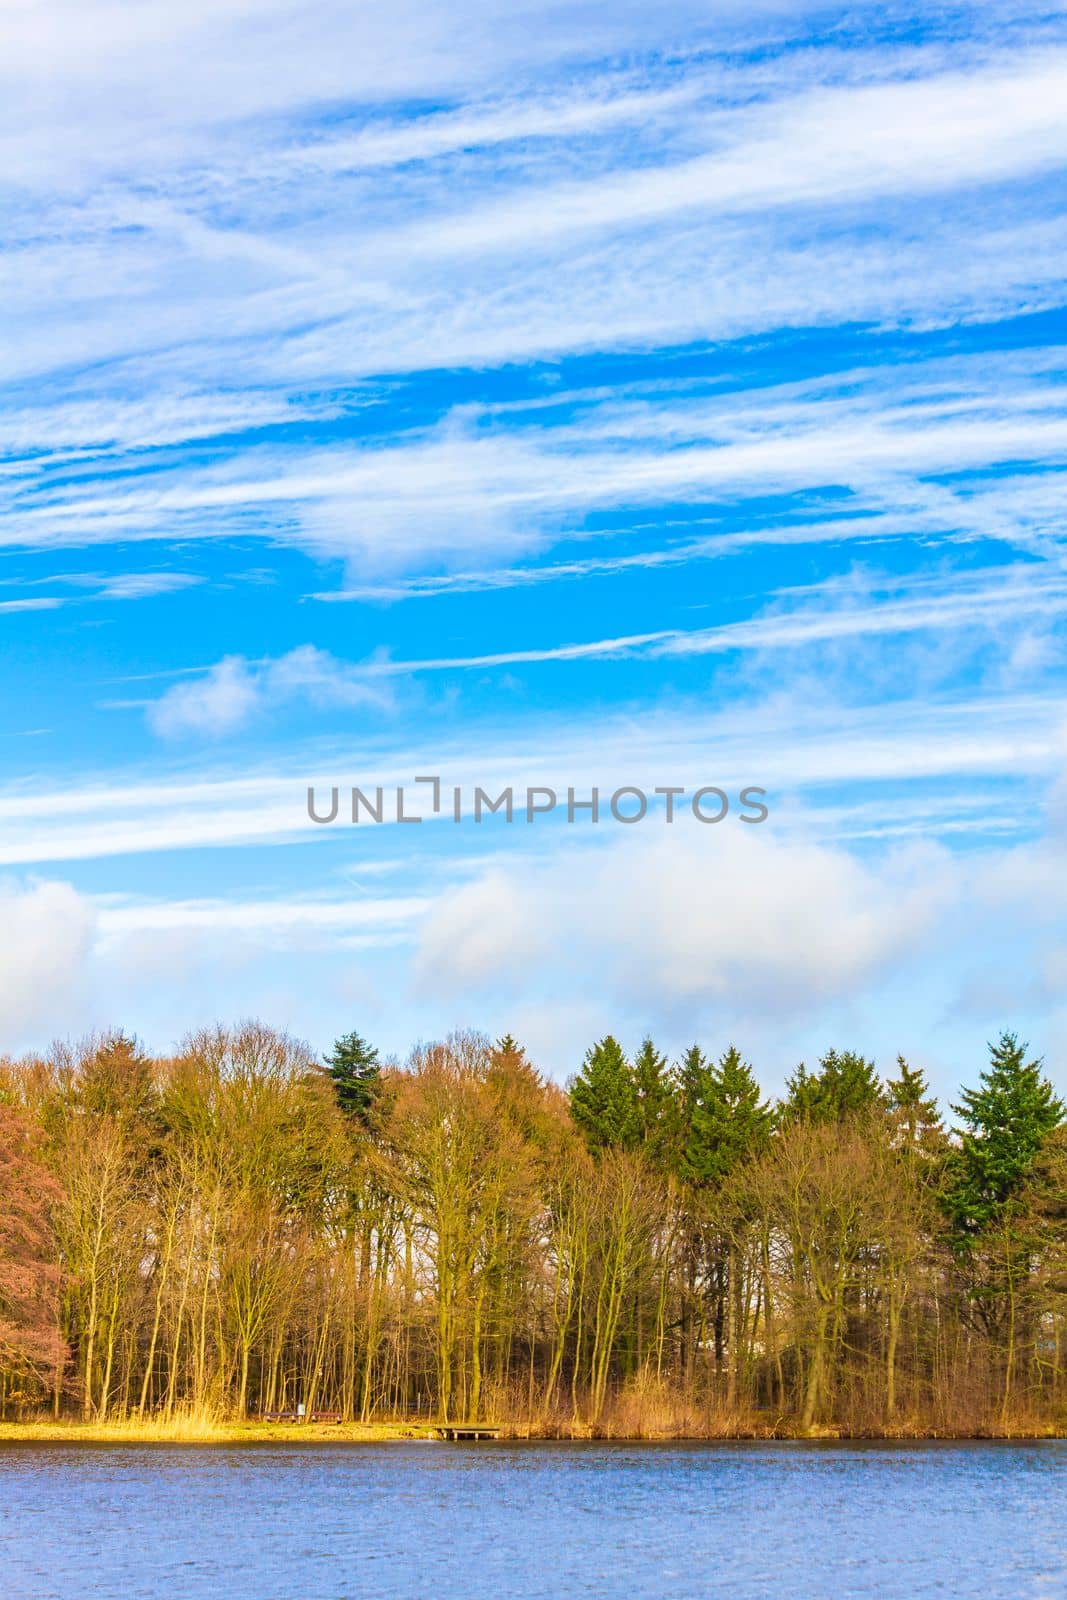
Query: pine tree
x: 914, y: 1111
x: 656, y: 1107
x: 604, y: 1102
x: 1006, y: 1121
x: 694, y: 1089
x: 727, y: 1119
x: 802, y: 1098
x: 845, y: 1084
x: 355, y: 1072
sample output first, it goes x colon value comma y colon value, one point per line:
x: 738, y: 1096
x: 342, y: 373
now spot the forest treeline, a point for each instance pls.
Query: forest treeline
x: 240, y: 1228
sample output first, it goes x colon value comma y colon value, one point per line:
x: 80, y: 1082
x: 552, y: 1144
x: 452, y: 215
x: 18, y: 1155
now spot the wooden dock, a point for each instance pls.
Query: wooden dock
x: 456, y: 1431
x: 300, y: 1416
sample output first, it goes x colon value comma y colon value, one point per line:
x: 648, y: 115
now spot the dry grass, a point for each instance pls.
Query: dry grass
x: 649, y: 1409
x: 645, y: 1409
x: 197, y: 1428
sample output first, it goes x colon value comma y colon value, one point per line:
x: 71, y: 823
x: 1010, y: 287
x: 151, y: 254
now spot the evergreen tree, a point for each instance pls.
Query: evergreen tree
x: 802, y: 1096
x: 914, y: 1112
x: 1006, y: 1121
x: 726, y: 1118
x: 604, y: 1102
x: 845, y: 1084
x: 656, y: 1108
x: 989, y: 1196
x: 355, y: 1072
x: 694, y: 1087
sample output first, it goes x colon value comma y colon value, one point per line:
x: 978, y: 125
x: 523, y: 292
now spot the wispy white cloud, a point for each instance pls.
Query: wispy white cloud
x: 316, y: 281
x: 141, y: 585
x: 832, y: 145
x: 450, y: 491
x: 987, y: 599
x: 590, y: 109
x: 126, y: 73
x: 85, y: 587
x: 813, y: 746
x: 53, y: 432
x: 32, y: 603
x: 320, y: 917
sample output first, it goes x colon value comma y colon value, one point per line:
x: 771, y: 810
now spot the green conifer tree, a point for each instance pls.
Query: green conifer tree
x: 845, y: 1084
x: 1009, y: 1121
x: 355, y: 1072
x: 657, y: 1111
x: 802, y: 1097
x: 1006, y: 1121
x: 726, y: 1118
x: 603, y: 1096
x: 694, y: 1089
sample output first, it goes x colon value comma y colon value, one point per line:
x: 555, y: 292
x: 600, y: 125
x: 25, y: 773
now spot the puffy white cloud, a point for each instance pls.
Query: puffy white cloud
x: 46, y: 933
x: 685, y: 917
x: 761, y: 933
x: 213, y: 705
x: 235, y: 690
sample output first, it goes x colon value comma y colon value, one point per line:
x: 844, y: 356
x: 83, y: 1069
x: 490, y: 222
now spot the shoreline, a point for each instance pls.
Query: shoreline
x: 254, y: 1432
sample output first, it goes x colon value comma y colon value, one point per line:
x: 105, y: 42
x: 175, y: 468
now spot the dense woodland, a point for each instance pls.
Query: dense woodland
x: 240, y: 1228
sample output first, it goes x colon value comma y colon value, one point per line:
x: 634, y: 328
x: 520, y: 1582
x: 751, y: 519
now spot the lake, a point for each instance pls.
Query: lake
x: 430, y: 1521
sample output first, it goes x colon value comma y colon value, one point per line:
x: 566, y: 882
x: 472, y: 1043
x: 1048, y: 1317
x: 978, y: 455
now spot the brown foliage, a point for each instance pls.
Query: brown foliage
x: 31, y: 1348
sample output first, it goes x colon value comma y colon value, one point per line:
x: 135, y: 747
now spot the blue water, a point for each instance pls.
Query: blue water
x: 427, y: 1521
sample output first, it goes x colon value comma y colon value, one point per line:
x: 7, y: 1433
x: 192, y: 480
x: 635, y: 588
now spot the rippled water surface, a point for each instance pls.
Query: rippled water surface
x: 455, y: 1522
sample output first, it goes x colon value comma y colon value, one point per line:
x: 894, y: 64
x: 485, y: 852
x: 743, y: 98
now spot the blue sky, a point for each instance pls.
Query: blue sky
x: 594, y: 394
